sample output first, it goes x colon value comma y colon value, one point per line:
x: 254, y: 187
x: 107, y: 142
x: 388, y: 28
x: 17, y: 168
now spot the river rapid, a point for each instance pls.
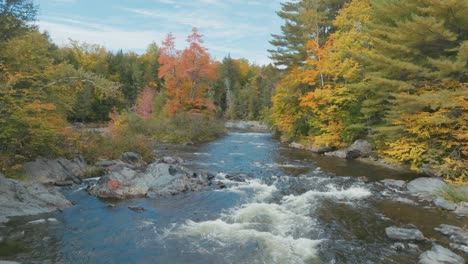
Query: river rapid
x: 293, y: 207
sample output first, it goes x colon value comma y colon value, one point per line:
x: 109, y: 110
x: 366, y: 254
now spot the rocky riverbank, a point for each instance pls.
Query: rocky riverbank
x: 127, y: 177
x: 425, y: 193
x: 28, y: 198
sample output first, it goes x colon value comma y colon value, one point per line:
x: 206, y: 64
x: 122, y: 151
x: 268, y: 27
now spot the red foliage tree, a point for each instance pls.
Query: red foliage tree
x: 187, y: 75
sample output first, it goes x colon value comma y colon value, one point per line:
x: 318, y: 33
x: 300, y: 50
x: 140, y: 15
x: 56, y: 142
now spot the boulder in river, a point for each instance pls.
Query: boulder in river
x: 458, y: 236
x: 426, y: 185
x: 360, y: 148
x: 58, y: 170
x: 27, y: 198
x: 440, y: 255
x: 448, y: 230
x: 398, y: 233
x: 316, y: 148
x: 394, y: 183
x: 158, y: 179
x: 462, y: 208
x: 444, y: 204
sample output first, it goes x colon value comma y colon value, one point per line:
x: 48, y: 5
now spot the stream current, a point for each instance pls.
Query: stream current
x: 294, y: 207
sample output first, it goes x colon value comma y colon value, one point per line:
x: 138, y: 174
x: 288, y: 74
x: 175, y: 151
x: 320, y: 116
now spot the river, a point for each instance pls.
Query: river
x: 294, y: 207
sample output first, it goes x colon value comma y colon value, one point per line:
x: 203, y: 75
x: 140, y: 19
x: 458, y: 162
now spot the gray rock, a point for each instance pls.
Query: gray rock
x: 106, y: 163
x: 413, y: 247
x: 353, y: 154
x: 8, y: 262
x: 394, y: 183
x: 462, y: 208
x: 398, y: 246
x: 404, y: 233
x: 341, y: 153
x: 426, y: 185
x: 448, y: 230
x: 58, y: 170
x: 137, y: 209
x: 316, y: 148
x: 132, y: 158
x: 362, y: 147
x: 27, y: 198
x: 440, y: 255
x: 463, y: 248
x: 296, y: 145
x: 158, y: 179
x: 460, y: 238
x: 405, y: 200
x: 236, y: 177
x: 444, y: 204
x: 172, y: 160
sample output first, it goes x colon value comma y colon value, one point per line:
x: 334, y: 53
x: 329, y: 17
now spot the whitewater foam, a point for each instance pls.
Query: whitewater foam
x: 283, y: 232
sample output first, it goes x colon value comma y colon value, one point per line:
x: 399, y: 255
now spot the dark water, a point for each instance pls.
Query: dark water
x: 294, y: 208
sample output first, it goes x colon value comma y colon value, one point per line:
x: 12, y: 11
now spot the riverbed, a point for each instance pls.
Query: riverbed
x: 293, y: 207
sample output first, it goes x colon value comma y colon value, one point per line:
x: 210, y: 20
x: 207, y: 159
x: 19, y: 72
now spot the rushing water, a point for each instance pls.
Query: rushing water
x: 294, y: 207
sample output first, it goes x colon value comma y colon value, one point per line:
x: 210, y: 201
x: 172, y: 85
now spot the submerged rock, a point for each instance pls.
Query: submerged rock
x: 398, y: 233
x: 448, y: 230
x: 57, y: 170
x: 426, y: 185
x: 26, y: 198
x: 440, y: 255
x: 138, y: 209
x: 158, y: 179
x: 236, y: 177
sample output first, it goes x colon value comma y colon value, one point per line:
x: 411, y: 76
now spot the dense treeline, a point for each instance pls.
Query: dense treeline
x: 164, y: 94
x: 391, y: 71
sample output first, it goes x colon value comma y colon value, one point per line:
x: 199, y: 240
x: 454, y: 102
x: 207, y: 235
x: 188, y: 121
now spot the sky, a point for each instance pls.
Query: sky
x: 239, y: 28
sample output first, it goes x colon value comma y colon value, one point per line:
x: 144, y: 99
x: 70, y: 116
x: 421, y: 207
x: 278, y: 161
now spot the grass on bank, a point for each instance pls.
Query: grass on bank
x: 130, y: 132
x: 454, y: 194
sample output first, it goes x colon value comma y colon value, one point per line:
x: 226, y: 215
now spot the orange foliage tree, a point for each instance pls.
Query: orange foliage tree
x: 187, y: 74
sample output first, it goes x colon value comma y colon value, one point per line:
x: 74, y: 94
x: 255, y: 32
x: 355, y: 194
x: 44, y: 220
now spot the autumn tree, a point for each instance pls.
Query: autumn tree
x: 188, y: 75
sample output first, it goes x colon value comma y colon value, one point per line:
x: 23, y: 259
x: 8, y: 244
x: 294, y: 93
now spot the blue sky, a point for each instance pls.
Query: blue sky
x: 241, y: 28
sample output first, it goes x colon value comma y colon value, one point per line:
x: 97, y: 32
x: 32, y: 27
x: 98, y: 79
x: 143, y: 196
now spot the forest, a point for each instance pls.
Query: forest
x: 393, y: 72
x: 390, y: 71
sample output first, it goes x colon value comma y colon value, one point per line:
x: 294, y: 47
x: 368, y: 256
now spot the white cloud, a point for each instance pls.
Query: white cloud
x: 111, y: 38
